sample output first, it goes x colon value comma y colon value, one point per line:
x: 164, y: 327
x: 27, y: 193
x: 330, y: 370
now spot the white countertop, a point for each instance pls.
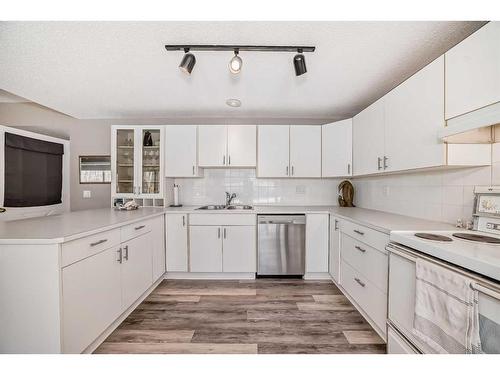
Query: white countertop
x: 378, y: 220
x: 70, y: 226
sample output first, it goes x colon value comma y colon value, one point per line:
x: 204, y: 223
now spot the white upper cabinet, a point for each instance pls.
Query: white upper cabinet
x: 273, y: 151
x: 305, y: 151
x: 336, y: 149
x: 212, y: 146
x: 473, y: 72
x: 368, y: 139
x: 414, y: 114
x: 181, y: 151
x: 242, y: 146
x: 227, y: 146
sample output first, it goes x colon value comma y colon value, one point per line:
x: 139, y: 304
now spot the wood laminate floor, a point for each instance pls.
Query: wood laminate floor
x: 248, y: 316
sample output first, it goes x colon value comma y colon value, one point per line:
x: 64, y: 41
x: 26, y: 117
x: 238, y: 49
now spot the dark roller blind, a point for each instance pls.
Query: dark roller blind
x: 33, y: 172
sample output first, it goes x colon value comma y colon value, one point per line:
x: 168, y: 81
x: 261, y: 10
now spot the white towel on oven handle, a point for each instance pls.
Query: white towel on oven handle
x: 446, y: 310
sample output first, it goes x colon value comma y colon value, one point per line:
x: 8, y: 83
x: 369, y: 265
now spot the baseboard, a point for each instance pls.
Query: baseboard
x: 103, y: 336
x: 210, y: 275
x: 317, y: 276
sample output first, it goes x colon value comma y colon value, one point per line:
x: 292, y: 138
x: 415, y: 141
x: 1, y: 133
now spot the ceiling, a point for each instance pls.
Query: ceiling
x: 120, y: 70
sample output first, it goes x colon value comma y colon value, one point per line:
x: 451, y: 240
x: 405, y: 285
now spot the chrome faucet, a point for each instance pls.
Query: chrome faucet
x: 229, y: 198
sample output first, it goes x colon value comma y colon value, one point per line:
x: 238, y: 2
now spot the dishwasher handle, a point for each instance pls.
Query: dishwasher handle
x: 283, y: 219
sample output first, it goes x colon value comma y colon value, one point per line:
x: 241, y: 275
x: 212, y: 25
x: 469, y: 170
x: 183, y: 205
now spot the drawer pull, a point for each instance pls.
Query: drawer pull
x: 360, y: 249
x: 98, y: 242
x: 359, y: 232
x: 359, y: 282
x: 120, y: 256
x: 139, y: 227
x: 126, y: 253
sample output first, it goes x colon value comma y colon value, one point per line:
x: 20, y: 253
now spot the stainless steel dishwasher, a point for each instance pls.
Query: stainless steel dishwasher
x: 281, y: 245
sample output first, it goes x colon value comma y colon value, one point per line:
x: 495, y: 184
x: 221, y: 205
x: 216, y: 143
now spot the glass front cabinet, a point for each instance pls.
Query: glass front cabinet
x: 137, y: 163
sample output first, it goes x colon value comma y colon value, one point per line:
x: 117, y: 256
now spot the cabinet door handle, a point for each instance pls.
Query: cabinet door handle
x: 287, y: 170
x: 379, y: 160
x: 183, y: 220
x: 359, y: 232
x: 229, y: 160
x: 224, y: 233
x: 126, y: 253
x: 348, y: 169
x: 120, y: 255
x: 98, y: 242
x: 385, y: 162
x: 360, y: 249
x: 293, y: 170
x: 218, y: 232
x: 336, y: 225
x: 193, y: 170
x: 139, y: 227
x: 359, y: 282
x: 224, y: 160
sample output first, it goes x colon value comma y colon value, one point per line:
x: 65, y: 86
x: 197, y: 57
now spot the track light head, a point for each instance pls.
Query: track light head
x: 235, y: 63
x: 188, y: 62
x: 299, y: 62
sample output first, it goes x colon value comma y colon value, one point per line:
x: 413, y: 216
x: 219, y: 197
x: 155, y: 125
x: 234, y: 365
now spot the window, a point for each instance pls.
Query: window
x: 95, y: 169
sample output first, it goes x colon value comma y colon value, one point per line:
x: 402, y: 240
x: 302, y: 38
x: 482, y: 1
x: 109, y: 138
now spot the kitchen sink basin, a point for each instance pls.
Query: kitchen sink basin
x: 239, y: 207
x: 212, y: 207
x: 222, y: 207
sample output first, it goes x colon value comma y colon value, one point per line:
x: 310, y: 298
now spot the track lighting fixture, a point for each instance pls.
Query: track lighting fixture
x: 236, y: 63
x: 188, y: 61
x: 299, y: 62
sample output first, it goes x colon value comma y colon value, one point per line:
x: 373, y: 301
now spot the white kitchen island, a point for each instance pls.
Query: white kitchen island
x: 68, y: 280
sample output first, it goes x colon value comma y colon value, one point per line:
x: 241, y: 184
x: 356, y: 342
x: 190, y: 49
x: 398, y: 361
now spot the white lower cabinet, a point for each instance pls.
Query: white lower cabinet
x: 137, y: 268
x: 92, y: 298
x: 205, y: 248
x: 334, y: 265
x: 229, y: 248
x: 176, y: 243
x: 317, y: 227
x: 239, y: 249
x: 158, y: 247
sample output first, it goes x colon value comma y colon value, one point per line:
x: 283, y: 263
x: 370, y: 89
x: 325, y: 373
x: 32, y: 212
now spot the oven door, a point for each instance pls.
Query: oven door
x: 402, y: 300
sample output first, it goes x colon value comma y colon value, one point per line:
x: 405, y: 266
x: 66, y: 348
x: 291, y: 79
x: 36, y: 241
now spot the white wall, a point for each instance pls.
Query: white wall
x: 211, y: 189
x: 445, y: 195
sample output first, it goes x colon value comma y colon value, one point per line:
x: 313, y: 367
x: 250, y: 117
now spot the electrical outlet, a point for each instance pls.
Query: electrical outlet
x: 300, y: 189
x: 87, y: 194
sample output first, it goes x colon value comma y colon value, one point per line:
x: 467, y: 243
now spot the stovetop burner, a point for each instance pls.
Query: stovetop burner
x: 477, y: 238
x: 433, y: 237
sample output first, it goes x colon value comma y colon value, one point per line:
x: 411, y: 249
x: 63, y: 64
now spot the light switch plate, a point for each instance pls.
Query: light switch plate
x: 87, y: 194
x: 300, y: 189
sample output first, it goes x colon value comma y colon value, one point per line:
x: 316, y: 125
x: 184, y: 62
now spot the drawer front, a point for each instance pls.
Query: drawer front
x: 366, y: 294
x: 222, y: 219
x: 133, y: 230
x: 81, y: 248
x: 371, y: 263
x: 369, y: 236
x: 397, y: 344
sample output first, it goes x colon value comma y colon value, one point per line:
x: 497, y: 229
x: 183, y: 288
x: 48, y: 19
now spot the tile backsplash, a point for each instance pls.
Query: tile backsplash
x: 211, y: 189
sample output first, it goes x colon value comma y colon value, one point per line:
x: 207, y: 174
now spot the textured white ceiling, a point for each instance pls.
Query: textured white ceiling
x: 121, y: 69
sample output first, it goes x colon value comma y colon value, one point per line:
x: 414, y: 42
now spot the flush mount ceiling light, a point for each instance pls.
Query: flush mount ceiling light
x: 299, y: 62
x: 235, y: 63
x: 187, y: 64
x: 188, y: 61
x: 233, y: 103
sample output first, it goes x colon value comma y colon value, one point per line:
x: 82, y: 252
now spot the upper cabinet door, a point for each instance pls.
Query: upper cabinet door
x: 414, y: 114
x: 368, y: 139
x: 124, y: 181
x: 273, y: 151
x: 305, y: 151
x: 473, y: 72
x: 212, y: 149
x: 181, y: 151
x: 242, y: 146
x: 151, y: 174
x: 336, y: 148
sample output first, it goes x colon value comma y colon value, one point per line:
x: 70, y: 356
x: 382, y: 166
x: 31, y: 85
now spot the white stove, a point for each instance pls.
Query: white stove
x: 477, y: 250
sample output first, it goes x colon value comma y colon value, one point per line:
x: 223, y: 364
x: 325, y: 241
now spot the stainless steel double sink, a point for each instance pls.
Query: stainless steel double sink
x: 223, y: 207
